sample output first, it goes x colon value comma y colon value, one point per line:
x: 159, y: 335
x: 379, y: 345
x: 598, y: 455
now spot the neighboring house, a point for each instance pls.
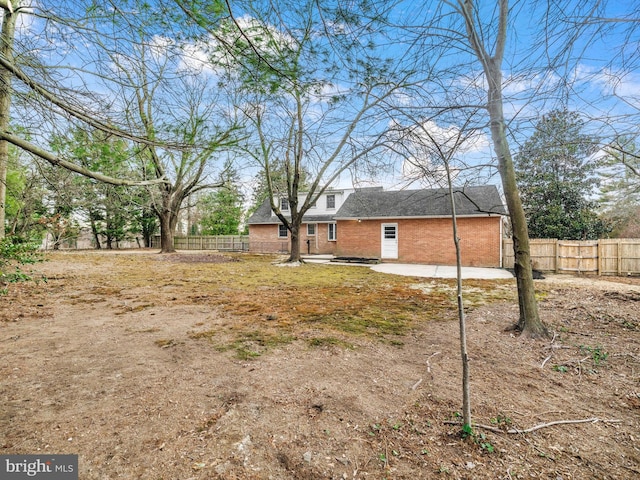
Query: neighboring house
x: 409, y: 226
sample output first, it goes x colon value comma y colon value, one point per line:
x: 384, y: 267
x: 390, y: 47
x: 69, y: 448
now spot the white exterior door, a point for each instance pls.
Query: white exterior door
x: 389, y: 240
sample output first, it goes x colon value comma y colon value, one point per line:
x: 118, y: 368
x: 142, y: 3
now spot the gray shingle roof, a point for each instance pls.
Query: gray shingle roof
x: 262, y: 214
x: 376, y: 203
x: 480, y: 200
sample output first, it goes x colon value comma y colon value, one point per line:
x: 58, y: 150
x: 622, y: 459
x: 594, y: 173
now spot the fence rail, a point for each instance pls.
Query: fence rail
x: 618, y: 256
x: 226, y: 243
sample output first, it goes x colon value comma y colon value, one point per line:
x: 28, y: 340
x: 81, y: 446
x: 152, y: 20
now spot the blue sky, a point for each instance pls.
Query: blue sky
x: 598, y: 76
x: 592, y: 80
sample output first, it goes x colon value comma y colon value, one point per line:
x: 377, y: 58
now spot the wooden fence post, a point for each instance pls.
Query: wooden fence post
x: 600, y: 252
x: 619, y: 262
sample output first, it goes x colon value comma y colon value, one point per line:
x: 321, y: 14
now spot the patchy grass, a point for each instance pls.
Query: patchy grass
x: 329, y: 342
x: 339, y: 303
x: 475, y: 292
x: 257, y: 305
x: 370, y: 322
x: 311, y: 408
x: 246, y: 344
x: 166, y: 342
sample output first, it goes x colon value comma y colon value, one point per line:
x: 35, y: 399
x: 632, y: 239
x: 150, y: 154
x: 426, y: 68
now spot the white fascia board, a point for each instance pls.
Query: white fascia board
x: 397, y: 217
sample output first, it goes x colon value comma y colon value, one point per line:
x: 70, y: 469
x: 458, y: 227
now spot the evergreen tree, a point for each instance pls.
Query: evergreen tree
x: 556, y: 179
x: 107, y: 208
x: 221, y: 210
x: 620, y: 193
x: 144, y: 220
x: 25, y: 198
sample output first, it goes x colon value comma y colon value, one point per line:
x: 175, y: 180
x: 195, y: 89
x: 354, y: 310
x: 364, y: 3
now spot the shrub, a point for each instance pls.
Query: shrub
x: 15, y: 252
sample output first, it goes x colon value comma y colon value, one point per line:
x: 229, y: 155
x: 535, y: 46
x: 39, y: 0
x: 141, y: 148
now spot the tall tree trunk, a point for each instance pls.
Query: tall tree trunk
x: 167, y: 232
x: 294, y: 256
x: 167, y: 214
x: 6, y: 50
x: 169, y: 219
x: 96, y: 234
x: 529, y: 322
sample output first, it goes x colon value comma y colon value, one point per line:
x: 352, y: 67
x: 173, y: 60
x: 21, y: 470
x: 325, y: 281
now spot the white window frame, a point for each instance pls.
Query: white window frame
x: 284, y: 204
x: 286, y: 231
x: 332, y: 232
x: 315, y: 229
x: 333, y: 197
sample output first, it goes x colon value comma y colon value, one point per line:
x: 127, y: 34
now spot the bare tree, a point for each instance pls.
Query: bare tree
x: 313, y: 97
x: 554, y: 56
x: 163, y: 96
x: 529, y: 322
x: 462, y: 45
x: 434, y: 154
x: 80, y: 88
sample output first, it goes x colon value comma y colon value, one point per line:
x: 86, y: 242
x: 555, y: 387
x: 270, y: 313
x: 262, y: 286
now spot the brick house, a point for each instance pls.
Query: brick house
x: 407, y: 226
x: 317, y: 234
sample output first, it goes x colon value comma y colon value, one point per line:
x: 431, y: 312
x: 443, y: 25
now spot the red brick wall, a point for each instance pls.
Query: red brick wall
x: 319, y: 242
x: 358, y: 239
x: 426, y: 240
x: 264, y: 239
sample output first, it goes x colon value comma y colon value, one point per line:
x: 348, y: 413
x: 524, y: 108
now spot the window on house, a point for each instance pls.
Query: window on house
x: 331, y: 201
x: 390, y: 232
x: 282, y: 231
x: 333, y: 232
x: 284, y: 204
x: 311, y: 229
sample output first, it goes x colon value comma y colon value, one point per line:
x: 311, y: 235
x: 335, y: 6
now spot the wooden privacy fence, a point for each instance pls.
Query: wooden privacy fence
x: 618, y: 256
x: 228, y: 243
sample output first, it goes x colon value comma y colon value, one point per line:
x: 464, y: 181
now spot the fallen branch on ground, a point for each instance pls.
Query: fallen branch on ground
x: 537, y: 427
x: 563, y: 422
x: 552, y: 347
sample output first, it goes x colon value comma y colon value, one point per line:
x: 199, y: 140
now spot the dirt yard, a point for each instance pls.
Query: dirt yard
x: 204, y: 366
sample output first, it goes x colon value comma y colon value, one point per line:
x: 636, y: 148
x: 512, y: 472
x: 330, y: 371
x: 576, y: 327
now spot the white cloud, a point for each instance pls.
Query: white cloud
x: 196, y: 59
x: 450, y: 140
x: 620, y: 84
x: 213, y: 56
x: 426, y: 148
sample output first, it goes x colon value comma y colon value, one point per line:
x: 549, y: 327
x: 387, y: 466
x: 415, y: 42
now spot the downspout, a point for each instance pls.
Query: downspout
x: 501, y: 240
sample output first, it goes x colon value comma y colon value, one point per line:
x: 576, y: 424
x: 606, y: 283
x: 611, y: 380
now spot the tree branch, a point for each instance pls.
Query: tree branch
x: 73, y: 111
x: 59, y: 162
